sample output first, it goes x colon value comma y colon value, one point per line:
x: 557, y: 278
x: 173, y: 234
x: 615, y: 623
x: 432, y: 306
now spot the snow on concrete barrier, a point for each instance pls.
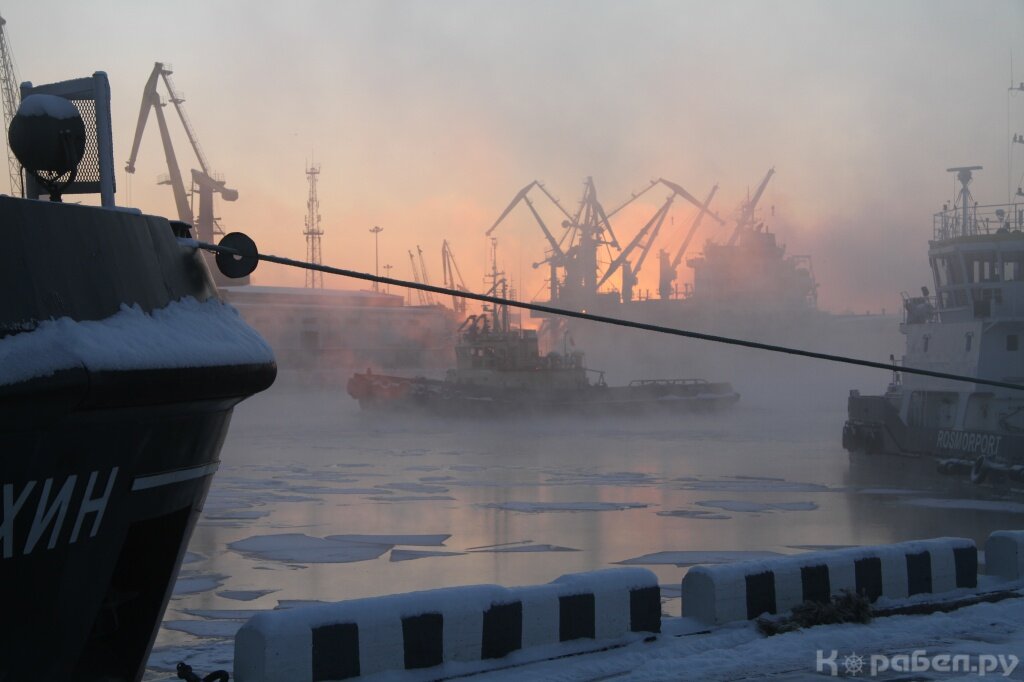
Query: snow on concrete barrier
x: 747, y: 589
x: 1004, y: 554
x: 424, y: 629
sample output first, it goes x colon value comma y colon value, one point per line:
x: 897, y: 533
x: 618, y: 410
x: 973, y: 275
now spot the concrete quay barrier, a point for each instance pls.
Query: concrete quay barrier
x: 459, y: 624
x: 1004, y: 554
x: 745, y: 590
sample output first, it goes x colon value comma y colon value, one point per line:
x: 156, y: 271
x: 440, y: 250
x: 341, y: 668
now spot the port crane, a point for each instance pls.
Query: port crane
x: 205, y: 183
x: 575, y: 275
x: 9, y: 92
x: 648, y: 234
x: 452, y: 277
x: 669, y: 270
x: 419, y: 274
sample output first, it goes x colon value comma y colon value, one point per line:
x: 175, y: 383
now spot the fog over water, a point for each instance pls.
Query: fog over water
x: 318, y: 501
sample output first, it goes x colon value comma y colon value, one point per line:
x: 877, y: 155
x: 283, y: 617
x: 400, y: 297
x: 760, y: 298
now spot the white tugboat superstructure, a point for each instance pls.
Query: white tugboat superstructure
x: 973, y: 325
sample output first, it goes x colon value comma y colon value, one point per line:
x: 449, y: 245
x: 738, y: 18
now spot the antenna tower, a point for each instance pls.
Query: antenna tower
x: 9, y: 93
x: 314, y: 279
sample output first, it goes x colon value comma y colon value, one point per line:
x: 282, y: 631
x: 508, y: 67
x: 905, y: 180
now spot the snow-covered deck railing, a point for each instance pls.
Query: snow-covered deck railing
x: 748, y: 589
x: 446, y: 626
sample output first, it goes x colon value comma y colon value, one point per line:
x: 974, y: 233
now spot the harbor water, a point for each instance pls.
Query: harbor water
x: 318, y: 501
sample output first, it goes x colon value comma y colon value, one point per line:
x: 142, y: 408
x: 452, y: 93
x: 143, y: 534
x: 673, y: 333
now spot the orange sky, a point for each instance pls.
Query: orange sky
x: 428, y: 117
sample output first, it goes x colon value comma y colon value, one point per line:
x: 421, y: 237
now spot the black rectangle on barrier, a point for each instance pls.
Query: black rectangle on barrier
x: 815, y: 583
x: 423, y: 640
x: 503, y: 630
x: 919, y: 573
x: 335, y: 652
x: 868, y: 577
x: 576, y: 615
x: 966, y: 560
x: 760, y: 594
x: 645, y: 609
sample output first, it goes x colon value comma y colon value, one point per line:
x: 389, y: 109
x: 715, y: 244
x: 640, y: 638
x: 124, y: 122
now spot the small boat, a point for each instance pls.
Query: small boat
x: 119, y: 370
x: 500, y: 371
x: 972, y: 325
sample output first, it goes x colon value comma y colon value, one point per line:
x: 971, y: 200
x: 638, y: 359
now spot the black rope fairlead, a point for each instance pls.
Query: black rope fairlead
x: 237, y: 256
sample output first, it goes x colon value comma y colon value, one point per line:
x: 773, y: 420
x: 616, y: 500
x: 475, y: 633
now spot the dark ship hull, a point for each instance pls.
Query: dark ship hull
x: 107, y: 456
x: 375, y: 391
x: 874, y: 426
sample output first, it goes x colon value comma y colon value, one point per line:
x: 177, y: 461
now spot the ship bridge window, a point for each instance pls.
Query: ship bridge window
x: 948, y: 271
x: 1013, y: 267
x: 1012, y: 342
x: 981, y: 267
x: 968, y: 338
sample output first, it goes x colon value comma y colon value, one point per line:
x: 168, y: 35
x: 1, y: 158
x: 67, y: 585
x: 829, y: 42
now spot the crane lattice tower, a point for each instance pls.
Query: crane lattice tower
x: 314, y: 279
x: 10, y: 95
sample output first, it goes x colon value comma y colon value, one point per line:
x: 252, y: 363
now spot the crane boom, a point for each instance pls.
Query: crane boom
x: 452, y: 277
x: 693, y: 229
x: 656, y: 219
x: 177, y: 100
x: 747, y: 212
x: 203, y: 181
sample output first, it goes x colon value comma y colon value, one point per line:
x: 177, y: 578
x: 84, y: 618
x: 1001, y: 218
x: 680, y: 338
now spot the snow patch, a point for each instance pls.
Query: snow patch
x: 185, y: 333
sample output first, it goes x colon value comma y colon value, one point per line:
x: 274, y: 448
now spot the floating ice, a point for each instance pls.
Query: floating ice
x: 304, y: 549
x: 694, y: 558
x: 195, y: 583
x: 617, y: 478
x: 416, y: 540
x: 747, y: 506
x: 753, y: 485
x: 695, y: 514
x: 410, y: 498
x: 413, y: 487
x: 205, y: 628
x: 244, y: 595
x: 539, y: 507
x: 524, y: 548
x: 235, y: 515
x: 223, y: 614
x: 409, y: 554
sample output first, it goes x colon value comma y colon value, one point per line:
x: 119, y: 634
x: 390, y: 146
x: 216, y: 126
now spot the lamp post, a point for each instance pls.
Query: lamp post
x: 376, y: 258
x: 387, y: 270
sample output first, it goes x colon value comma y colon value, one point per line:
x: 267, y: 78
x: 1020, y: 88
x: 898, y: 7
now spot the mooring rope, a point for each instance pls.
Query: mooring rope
x: 242, y: 254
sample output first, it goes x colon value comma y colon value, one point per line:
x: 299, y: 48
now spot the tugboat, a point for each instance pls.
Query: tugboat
x: 500, y: 371
x: 973, y: 325
x: 119, y: 370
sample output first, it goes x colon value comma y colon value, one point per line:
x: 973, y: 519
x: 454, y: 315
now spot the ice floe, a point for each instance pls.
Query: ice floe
x: 300, y: 548
x: 694, y: 558
x: 749, y: 506
x: 539, y: 507
x: 410, y: 554
x: 244, y: 595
